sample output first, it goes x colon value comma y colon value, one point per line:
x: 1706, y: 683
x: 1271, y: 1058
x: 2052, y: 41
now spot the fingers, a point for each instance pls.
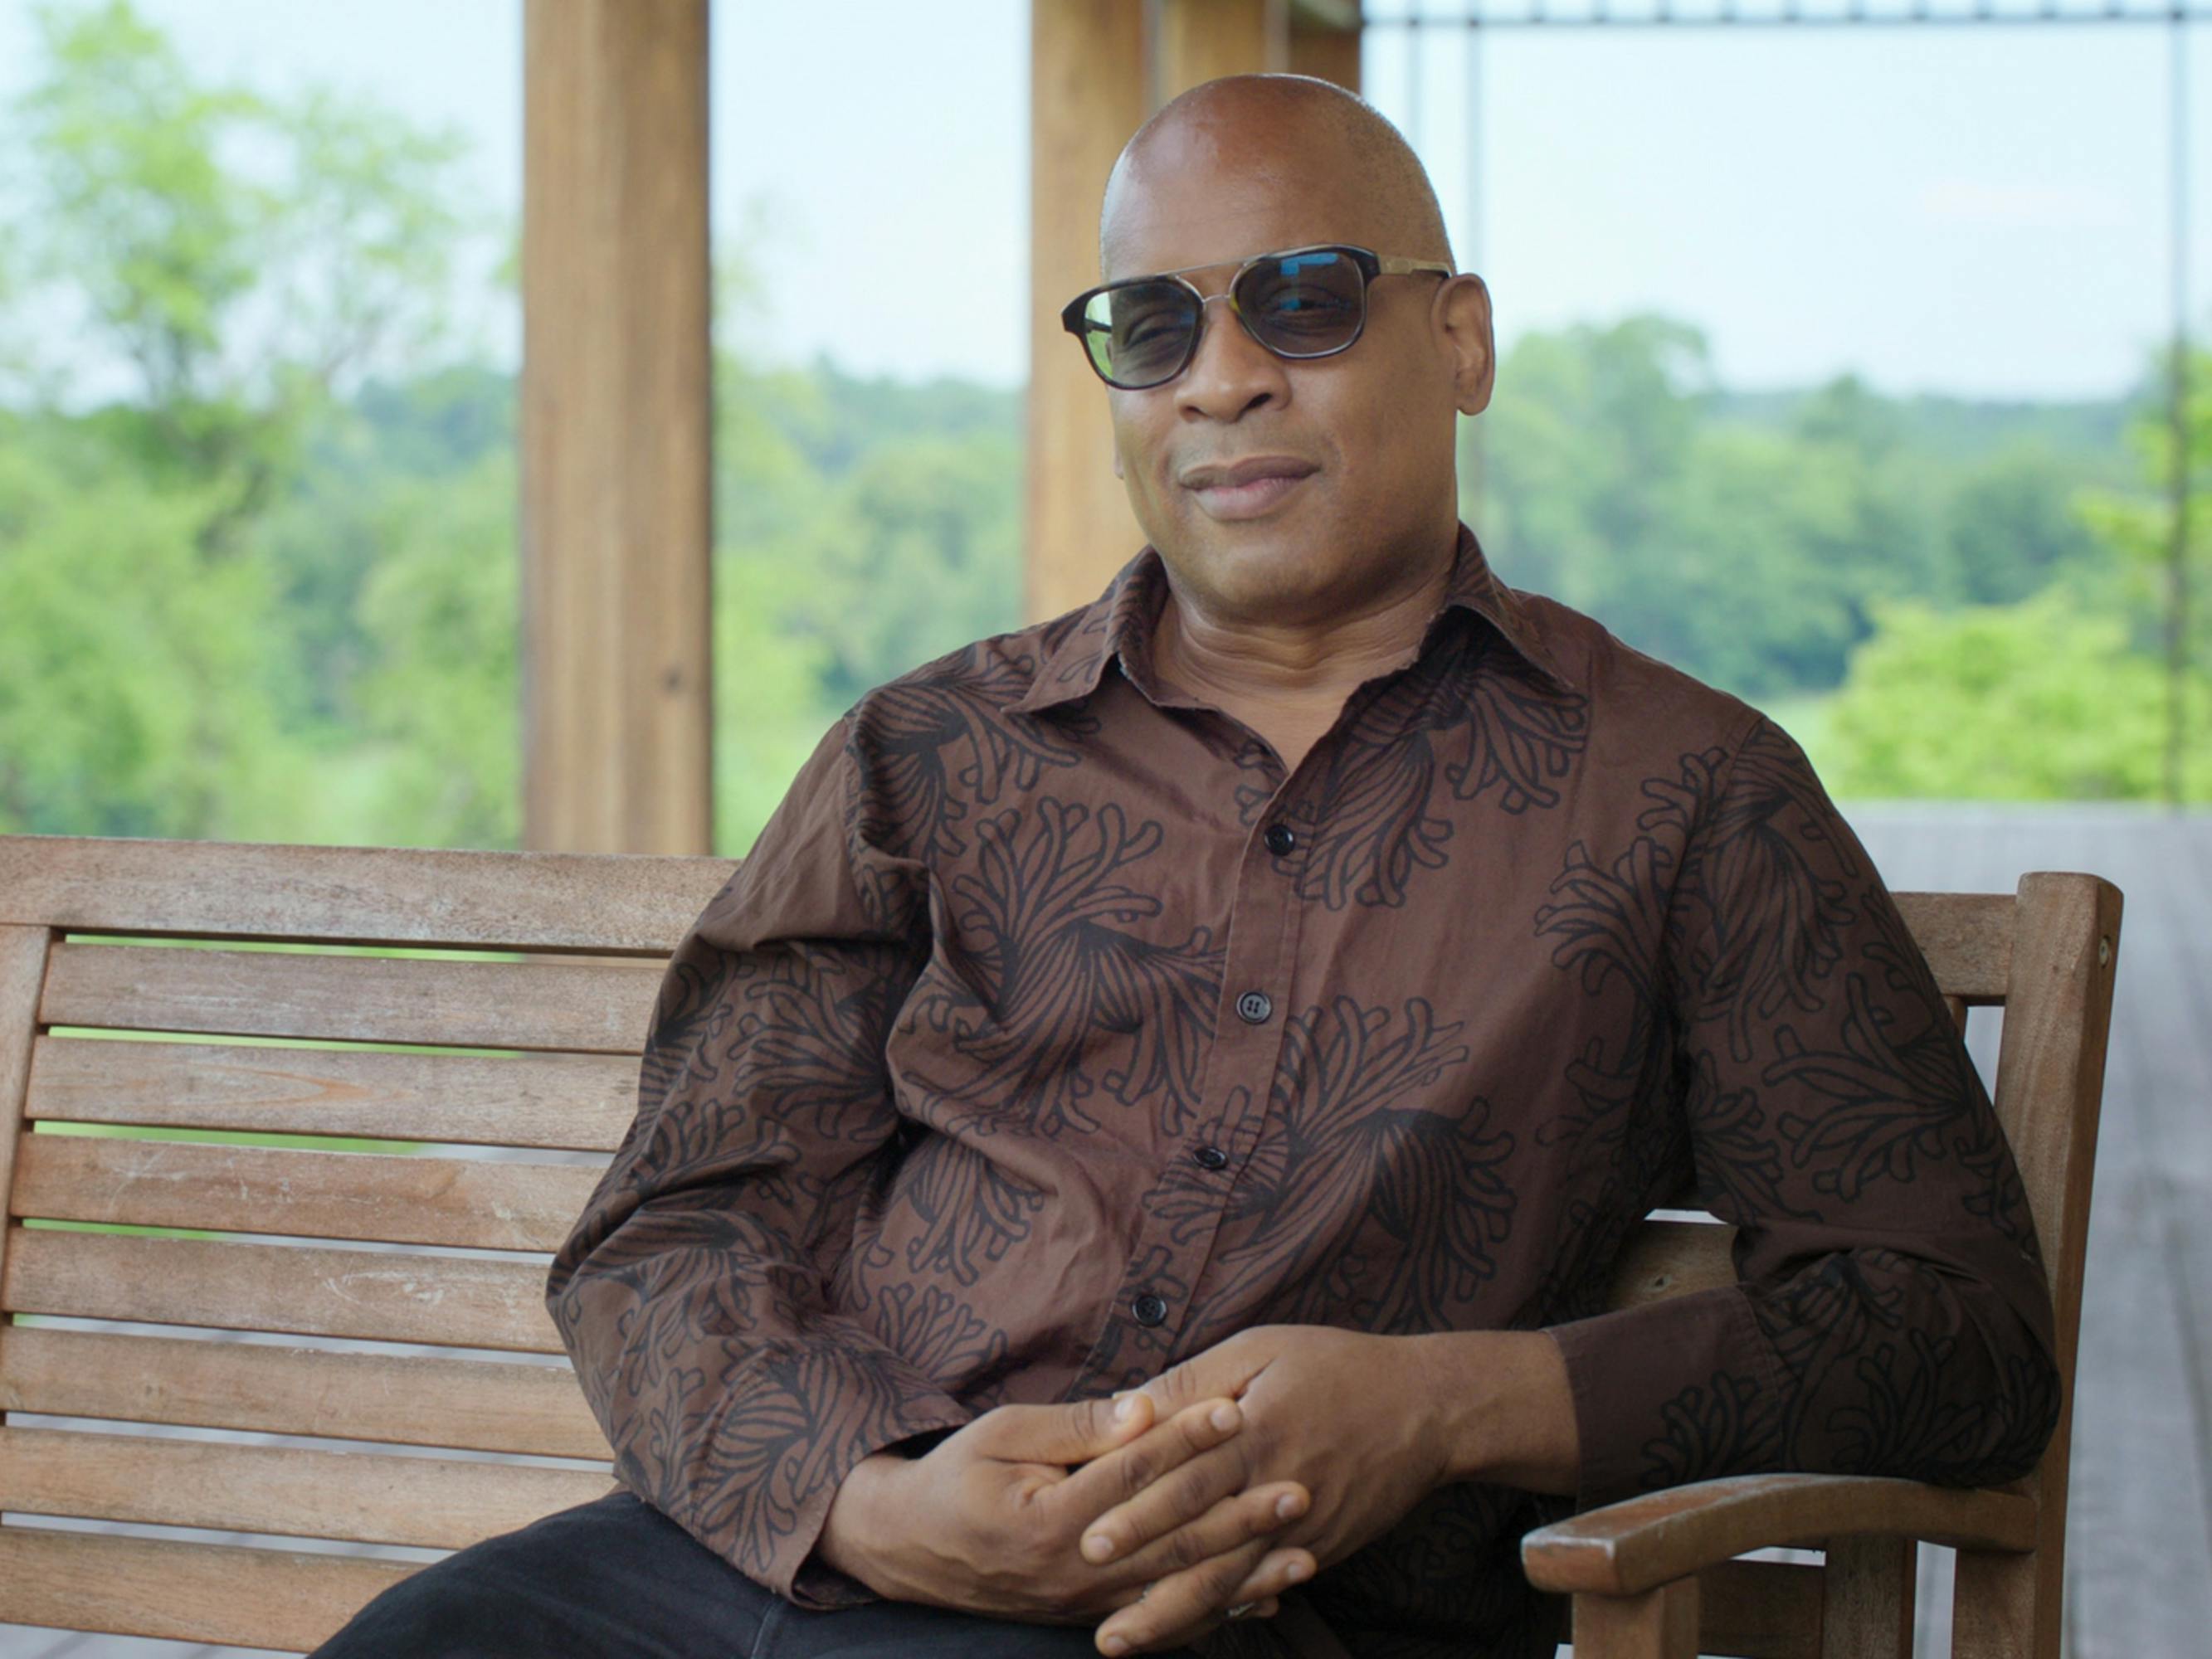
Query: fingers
x: 1076, y: 1432
x: 1253, y: 1517
x: 1167, y: 1507
x: 1178, y: 1609
x: 1119, y: 1476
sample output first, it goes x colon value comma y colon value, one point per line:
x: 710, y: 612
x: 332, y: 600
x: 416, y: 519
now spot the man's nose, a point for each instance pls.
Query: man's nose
x: 1231, y: 373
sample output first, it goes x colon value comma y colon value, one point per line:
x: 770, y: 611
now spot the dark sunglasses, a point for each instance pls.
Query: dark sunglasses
x: 1303, y: 302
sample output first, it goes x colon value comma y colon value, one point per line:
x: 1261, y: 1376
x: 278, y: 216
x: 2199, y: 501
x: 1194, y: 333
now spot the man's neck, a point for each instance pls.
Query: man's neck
x: 1253, y: 658
x: 1288, y: 682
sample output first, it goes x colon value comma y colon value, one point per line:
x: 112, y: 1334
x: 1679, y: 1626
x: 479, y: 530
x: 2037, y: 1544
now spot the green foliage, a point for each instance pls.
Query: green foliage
x: 2035, y: 701
x: 864, y: 528
x: 230, y: 257
x: 259, y: 542
x: 135, y: 695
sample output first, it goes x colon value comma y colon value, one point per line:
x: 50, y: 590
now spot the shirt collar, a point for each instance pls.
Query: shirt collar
x: 1117, y: 627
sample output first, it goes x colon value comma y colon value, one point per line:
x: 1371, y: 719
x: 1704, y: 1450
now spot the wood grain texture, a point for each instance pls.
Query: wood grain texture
x: 477, y: 1004
x: 384, y: 1198
x: 1089, y: 90
x: 1625, y: 1548
x: 1967, y: 938
x: 1760, y: 1610
x: 290, y: 1600
x: 388, y: 1295
x: 1327, y: 48
x: 1867, y: 1605
x: 23, y: 967
x: 471, y: 1405
x: 571, y: 1102
x: 617, y: 428
x: 636, y: 905
x: 2051, y: 1075
x: 374, y: 1497
x: 1657, y: 1624
x: 1200, y: 40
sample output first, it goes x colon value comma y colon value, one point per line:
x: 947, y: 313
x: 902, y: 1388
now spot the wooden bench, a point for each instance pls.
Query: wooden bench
x: 514, y: 1021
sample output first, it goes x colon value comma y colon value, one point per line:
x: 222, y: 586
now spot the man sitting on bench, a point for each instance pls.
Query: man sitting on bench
x: 1135, y: 1159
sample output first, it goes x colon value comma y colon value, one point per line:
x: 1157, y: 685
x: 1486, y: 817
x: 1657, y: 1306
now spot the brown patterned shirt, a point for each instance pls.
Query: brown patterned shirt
x: 1052, y: 1034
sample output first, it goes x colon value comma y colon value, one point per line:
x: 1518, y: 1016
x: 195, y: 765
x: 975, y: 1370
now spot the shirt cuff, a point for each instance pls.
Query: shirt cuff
x: 786, y: 1562
x: 812, y: 1582
x: 1673, y: 1391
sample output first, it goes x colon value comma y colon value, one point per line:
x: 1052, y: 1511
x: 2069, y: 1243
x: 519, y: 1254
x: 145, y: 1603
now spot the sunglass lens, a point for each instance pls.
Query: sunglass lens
x: 1304, y: 305
x: 1138, y: 334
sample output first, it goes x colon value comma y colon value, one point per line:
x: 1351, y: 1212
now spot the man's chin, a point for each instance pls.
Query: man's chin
x: 1254, y: 568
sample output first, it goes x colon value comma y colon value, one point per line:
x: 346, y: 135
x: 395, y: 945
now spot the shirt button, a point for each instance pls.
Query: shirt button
x: 1210, y: 1158
x: 1254, y: 1006
x: 1281, y: 838
x: 1149, y: 1308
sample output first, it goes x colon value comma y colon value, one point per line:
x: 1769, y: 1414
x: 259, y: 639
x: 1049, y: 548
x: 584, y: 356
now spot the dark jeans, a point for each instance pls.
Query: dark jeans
x: 617, y: 1579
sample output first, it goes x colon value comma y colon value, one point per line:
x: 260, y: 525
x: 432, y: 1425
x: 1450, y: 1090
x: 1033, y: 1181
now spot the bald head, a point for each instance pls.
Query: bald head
x: 1310, y: 139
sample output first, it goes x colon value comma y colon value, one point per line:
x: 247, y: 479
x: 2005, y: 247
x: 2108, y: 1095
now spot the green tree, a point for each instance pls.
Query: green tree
x: 200, y: 276
x: 2012, y: 525
x: 137, y: 693
x: 233, y: 257
x: 2035, y: 701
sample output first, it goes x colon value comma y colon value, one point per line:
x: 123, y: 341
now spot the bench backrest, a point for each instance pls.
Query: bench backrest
x: 483, y: 1010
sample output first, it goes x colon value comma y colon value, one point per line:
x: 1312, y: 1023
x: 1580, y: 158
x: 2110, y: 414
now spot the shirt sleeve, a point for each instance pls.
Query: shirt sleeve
x: 694, y: 1291
x: 1892, y: 1315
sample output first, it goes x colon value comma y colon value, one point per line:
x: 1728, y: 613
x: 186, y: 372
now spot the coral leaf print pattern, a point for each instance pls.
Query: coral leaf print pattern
x: 1376, y: 820
x: 971, y: 1212
x: 1727, y: 1424
x: 1771, y: 840
x: 1057, y: 993
x: 1053, y: 1032
x: 1359, y: 1168
x: 1879, y: 1105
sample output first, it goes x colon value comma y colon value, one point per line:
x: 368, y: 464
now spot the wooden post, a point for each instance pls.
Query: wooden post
x: 616, y: 428
x: 1088, y: 90
x: 1201, y: 40
x: 1325, y: 41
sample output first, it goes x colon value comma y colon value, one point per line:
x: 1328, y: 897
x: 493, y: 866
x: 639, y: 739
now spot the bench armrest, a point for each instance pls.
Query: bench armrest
x: 1641, y: 1543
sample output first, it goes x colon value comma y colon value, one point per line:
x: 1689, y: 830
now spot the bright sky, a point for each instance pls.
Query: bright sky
x: 1975, y: 210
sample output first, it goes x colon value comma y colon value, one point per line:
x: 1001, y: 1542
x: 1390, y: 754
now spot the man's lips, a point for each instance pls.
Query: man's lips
x: 1246, y: 489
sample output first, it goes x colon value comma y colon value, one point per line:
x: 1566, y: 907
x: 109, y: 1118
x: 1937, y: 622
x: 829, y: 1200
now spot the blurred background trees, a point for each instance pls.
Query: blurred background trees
x: 257, y: 559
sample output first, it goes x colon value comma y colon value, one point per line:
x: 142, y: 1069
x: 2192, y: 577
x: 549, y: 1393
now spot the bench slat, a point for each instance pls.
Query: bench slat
x: 387, y: 1197
x: 372, y: 1497
x: 1967, y: 940
x: 1672, y: 1258
x: 473, y: 1405
x: 282, y: 994
x: 610, y: 904
x: 291, y: 1600
x: 388, y: 1295
x: 575, y: 1102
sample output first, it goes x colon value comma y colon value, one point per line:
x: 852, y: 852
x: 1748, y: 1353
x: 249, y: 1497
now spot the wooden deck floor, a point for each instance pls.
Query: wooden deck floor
x: 2139, y: 1566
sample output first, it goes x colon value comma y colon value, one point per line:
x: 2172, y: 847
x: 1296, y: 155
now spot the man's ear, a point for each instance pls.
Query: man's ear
x: 1461, y: 315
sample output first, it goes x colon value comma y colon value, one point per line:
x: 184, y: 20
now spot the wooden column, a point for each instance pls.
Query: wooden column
x: 1325, y: 41
x: 616, y: 523
x: 1088, y: 91
x: 1201, y: 40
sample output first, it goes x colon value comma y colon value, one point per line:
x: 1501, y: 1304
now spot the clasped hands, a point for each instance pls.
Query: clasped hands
x: 1220, y: 1483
